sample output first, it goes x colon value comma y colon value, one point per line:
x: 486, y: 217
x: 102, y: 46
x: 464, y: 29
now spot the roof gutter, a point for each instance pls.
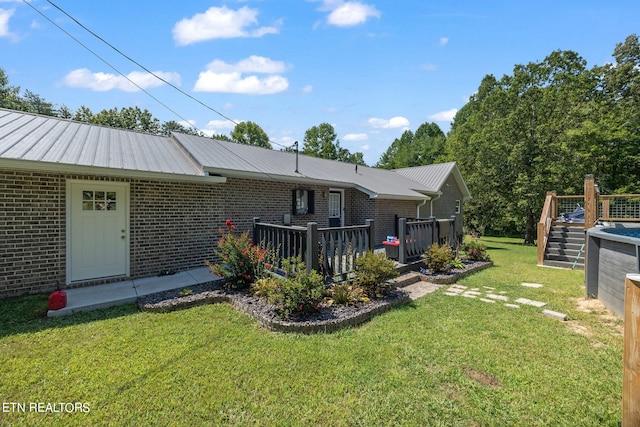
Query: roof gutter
x: 104, y: 171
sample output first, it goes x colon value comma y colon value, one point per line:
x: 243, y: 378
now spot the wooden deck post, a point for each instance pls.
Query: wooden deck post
x: 256, y: 221
x: 590, y: 202
x: 452, y: 231
x: 402, y: 240
x: 311, y: 254
x: 631, y: 378
x: 372, y: 234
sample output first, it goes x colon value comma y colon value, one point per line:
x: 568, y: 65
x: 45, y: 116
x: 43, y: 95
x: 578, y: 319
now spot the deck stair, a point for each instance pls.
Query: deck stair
x: 565, y: 247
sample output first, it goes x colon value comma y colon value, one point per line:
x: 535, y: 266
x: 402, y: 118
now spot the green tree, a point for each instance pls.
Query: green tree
x: 425, y: 147
x: 222, y: 137
x: 513, y: 140
x: 34, y: 103
x: 172, y: 126
x: 251, y: 134
x: 130, y: 118
x: 322, y: 141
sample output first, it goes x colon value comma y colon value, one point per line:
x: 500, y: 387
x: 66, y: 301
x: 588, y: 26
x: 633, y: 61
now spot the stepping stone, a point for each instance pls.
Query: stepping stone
x: 473, y: 293
x: 512, y: 305
x: 468, y: 295
x: 456, y: 290
x: 555, y: 314
x: 452, y: 294
x: 487, y: 300
x: 502, y: 292
x: 526, y: 301
x: 490, y: 288
x: 475, y: 289
x: 500, y: 297
x: 532, y: 285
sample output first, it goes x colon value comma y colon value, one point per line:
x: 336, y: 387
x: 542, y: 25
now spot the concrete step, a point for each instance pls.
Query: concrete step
x: 407, y: 279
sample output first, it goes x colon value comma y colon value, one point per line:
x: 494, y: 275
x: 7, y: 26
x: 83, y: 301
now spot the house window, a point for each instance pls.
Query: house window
x: 458, y: 207
x: 303, y: 202
x: 98, y: 200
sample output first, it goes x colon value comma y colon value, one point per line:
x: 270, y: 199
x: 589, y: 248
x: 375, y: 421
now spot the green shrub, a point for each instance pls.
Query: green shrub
x: 475, y: 250
x: 266, y: 287
x: 438, y: 257
x: 299, y: 293
x: 241, y: 262
x: 346, y: 294
x: 373, y: 270
x: 457, y: 263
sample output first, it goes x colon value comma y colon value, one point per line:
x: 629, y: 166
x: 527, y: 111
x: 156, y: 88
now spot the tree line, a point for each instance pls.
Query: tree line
x: 543, y: 127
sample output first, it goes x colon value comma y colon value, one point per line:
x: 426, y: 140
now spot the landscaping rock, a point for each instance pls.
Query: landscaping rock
x: 555, y: 314
x: 526, y: 301
x: 329, y: 319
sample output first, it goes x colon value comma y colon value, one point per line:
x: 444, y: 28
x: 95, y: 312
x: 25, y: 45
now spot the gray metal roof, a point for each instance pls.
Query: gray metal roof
x: 53, y: 141
x: 238, y: 160
x: 50, y: 143
x: 435, y: 176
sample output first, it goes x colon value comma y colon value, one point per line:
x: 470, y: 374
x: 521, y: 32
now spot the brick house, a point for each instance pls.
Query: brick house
x: 85, y: 204
x: 447, y: 190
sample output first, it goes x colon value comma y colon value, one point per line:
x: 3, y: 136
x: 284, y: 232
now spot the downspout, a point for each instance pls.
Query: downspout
x: 424, y: 202
x: 431, y: 204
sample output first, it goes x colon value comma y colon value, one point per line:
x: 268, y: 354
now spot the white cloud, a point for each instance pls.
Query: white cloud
x: 219, y: 23
x: 349, y: 13
x: 443, y: 41
x: 229, y: 78
x: 365, y: 147
x: 444, y: 116
x: 307, y: 89
x: 217, y: 127
x: 393, y: 123
x: 252, y: 64
x: 429, y: 67
x: 355, y: 137
x: 102, y: 82
x: 4, y: 22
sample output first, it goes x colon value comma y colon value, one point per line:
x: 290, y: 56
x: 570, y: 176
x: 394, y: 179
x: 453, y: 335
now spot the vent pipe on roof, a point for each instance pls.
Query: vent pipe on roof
x: 356, y: 168
x: 296, y: 144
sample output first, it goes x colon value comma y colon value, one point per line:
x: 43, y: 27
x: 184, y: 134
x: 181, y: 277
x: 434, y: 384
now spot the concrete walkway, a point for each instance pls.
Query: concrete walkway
x: 103, y: 296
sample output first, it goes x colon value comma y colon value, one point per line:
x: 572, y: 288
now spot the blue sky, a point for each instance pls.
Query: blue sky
x: 371, y: 68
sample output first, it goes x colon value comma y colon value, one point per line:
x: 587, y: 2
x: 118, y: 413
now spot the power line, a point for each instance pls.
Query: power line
x: 142, y: 67
x: 107, y: 63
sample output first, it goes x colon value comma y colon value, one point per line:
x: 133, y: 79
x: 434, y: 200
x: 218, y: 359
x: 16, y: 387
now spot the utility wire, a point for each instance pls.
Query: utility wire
x: 108, y: 64
x: 144, y: 68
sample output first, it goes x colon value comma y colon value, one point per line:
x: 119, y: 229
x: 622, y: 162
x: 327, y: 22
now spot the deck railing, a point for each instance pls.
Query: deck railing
x: 597, y: 207
x: 332, y: 251
x: 419, y: 234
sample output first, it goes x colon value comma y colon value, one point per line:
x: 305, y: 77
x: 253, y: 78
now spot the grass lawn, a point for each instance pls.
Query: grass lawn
x: 441, y: 360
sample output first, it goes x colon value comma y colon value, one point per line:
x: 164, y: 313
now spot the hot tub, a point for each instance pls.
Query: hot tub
x: 611, y: 254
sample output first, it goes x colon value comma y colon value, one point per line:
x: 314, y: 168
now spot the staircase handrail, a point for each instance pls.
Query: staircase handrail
x: 544, y: 225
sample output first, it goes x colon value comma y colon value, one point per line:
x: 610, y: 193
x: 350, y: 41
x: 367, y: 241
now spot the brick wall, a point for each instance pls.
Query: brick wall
x: 32, y: 232
x: 385, y: 212
x: 173, y: 226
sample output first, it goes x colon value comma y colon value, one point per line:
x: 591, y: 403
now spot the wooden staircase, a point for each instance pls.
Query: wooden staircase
x: 565, y: 247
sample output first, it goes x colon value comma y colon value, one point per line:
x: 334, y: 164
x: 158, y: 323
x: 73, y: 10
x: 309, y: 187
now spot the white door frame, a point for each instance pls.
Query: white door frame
x: 342, y: 202
x: 69, y: 214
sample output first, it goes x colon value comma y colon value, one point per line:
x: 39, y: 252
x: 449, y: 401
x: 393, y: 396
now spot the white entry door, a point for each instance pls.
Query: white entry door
x: 97, y: 239
x: 336, y: 208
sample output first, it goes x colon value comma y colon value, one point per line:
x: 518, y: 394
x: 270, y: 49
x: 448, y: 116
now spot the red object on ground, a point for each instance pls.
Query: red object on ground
x: 57, y: 300
x: 394, y: 243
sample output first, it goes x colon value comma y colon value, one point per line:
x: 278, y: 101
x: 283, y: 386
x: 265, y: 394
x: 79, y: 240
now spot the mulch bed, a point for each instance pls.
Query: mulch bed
x: 329, y: 319
x: 452, y: 275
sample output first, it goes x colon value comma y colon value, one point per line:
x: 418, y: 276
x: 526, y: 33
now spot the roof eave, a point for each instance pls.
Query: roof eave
x: 35, y: 165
